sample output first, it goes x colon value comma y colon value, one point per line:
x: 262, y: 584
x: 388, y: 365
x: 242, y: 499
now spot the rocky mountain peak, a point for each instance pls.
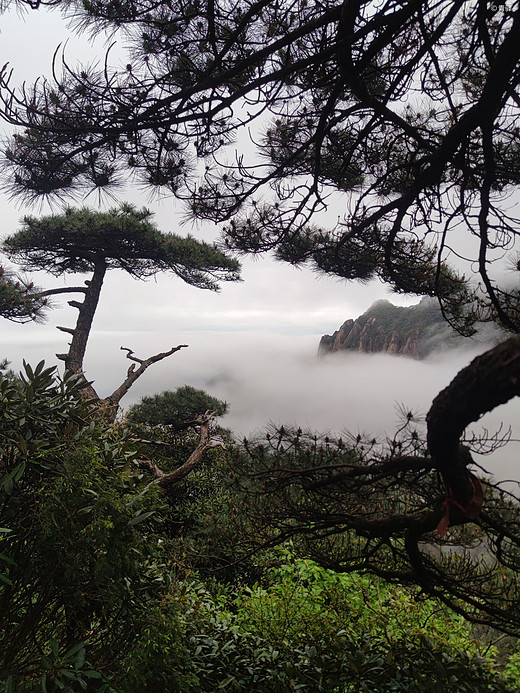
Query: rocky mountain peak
x: 413, y: 331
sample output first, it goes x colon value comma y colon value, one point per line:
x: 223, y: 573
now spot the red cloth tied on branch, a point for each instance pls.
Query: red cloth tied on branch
x: 457, y: 514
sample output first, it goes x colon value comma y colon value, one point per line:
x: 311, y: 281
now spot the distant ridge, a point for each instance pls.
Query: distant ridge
x: 415, y: 331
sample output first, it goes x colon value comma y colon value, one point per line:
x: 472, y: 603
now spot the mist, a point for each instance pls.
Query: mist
x: 255, y: 346
x: 282, y: 381
x: 273, y: 378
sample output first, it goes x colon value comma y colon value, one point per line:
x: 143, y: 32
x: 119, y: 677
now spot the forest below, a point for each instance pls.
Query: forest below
x: 126, y: 569
x: 150, y: 549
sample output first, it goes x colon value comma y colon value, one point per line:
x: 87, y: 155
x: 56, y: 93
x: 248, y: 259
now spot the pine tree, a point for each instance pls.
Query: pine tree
x: 84, y: 241
x: 407, y: 110
x: 20, y: 300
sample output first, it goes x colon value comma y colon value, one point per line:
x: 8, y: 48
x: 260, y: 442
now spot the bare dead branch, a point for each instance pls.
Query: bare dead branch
x: 130, y: 355
x: 112, y: 401
x: 64, y: 290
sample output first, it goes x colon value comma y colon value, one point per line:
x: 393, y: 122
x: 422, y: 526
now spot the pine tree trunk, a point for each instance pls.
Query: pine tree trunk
x: 490, y: 380
x: 74, y: 357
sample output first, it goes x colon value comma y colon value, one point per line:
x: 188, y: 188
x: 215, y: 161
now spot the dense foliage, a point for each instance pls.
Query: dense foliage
x: 177, y: 409
x: 307, y: 629
x: 73, y: 566
x: 98, y: 593
x: 355, y: 503
x: 20, y: 301
x: 404, y: 111
x: 122, y: 238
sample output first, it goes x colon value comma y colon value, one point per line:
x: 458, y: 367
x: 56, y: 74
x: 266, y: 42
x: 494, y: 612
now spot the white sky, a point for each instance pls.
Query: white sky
x: 253, y: 344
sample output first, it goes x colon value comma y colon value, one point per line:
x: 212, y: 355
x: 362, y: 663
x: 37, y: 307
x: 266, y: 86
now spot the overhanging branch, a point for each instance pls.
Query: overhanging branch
x: 490, y: 380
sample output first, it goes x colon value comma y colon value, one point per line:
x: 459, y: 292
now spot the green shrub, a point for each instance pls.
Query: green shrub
x: 309, y: 629
x: 77, y: 548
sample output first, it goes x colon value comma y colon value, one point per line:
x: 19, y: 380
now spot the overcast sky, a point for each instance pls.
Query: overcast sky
x: 253, y: 344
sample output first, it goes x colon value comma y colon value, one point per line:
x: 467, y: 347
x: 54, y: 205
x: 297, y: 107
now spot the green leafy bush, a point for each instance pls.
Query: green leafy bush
x: 96, y: 592
x: 77, y: 549
x: 309, y: 629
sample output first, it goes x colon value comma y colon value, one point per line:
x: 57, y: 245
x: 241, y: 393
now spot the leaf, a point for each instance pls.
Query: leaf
x: 8, y: 480
x: 39, y: 368
x: 79, y: 660
x: 22, y: 446
x: 139, y: 495
x: 18, y: 471
x: 55, y: 648
x: 9, y: 685
x: 227, y: 681
x: 80, y: 647
x: 92, y: 674
x: 139, y: 518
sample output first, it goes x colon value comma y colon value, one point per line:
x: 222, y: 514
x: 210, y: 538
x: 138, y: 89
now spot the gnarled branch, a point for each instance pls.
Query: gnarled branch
x: 490, y: 380
x: 205, y: 443
x: 112, y: 401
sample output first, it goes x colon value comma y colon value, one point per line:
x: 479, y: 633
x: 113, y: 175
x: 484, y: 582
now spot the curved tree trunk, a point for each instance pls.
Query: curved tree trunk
x: 166, y: 479
x: 490, y: 380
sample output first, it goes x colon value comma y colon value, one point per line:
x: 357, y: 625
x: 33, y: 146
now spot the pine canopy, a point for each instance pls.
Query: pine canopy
x: 121, y: 238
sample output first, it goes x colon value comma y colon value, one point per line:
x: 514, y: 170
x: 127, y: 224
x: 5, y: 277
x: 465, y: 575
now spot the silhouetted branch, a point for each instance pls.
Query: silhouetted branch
x: 490, y: 380
x: 64, y: 290
x: 112, y: 401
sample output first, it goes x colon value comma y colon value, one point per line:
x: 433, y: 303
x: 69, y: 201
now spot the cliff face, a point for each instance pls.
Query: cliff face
x: 415, y: 331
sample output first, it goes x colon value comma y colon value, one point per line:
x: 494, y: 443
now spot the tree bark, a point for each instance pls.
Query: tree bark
x: 490, y: 380
x: 110, y: 404
x: 73, y: 359
x: 80, y: 335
